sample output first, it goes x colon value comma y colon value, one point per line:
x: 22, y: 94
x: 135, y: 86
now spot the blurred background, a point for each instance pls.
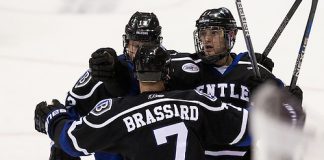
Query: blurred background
x: 45, y: 46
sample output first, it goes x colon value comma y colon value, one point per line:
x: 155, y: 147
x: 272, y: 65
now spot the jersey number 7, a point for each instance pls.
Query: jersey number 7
x: 178, y: 129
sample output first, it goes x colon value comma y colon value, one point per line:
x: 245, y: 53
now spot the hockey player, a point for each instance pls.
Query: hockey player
x: 216, y: 71
x: 153, y: 125
x: 108, y: 72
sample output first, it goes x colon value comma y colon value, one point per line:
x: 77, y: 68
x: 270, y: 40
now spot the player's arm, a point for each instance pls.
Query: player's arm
x: 226, y: 124
x: 261, y: 59
x: 292, y: 98
x: 72, y: 136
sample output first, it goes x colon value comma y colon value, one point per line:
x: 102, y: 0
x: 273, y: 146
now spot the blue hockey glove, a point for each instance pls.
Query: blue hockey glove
x: 47, y: 115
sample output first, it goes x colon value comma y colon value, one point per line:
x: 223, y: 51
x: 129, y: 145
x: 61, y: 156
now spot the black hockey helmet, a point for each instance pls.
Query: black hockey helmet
x: 152, y: 63
x: 220, y: 18
x: 143, y: 26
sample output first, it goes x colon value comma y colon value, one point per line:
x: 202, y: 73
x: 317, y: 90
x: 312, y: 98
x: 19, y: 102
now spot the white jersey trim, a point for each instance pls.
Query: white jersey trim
x: 74, y: 141
x: 244, y: 62
x: 225, y: 153
x: 211, y: 108
x: 243, y: 127
x: 87, y: 95
x: 185, y: 58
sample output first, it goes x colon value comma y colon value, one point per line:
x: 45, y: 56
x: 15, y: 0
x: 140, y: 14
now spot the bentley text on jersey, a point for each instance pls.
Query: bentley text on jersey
x: 226, y: 90
x: 159, y: 113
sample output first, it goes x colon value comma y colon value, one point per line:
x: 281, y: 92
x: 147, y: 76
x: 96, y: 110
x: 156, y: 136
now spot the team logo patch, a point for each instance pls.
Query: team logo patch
x: 85, y: 78
x: 102, y: 107
x: 190, y: 68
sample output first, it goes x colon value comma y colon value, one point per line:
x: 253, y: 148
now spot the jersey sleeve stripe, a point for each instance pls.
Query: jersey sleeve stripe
x: 87, y: 95
x: 74, y: 140
x: 186, y: 59
x: 225, y: 153
x: 243, y: 127
x: 65, y: 142
x: 243, y: 62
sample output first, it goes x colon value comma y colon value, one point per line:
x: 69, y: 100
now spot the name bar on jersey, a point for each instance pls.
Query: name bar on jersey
x: 160, y: 113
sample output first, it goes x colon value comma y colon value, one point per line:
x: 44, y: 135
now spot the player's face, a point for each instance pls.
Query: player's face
x: 133, y: 47
x: 213, y: 41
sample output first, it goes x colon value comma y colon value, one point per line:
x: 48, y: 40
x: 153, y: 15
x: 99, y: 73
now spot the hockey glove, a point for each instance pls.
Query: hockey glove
x: 46, y: 116
x: 264, y: 61
x: 59, y: 154
x: 102, y: 64
x: 107, y: 68
x: 292, y: 106
x: 297, y: 92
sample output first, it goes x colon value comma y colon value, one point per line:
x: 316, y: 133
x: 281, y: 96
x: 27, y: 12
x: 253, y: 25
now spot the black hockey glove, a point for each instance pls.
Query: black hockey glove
x: 265, y: 61
x: 102, y: 64
x: 107, y: 68
x: 46, y: 116
x: 59, y: 154
x: 279, y: 103
x: 297, y: 92
x: 292, y: 106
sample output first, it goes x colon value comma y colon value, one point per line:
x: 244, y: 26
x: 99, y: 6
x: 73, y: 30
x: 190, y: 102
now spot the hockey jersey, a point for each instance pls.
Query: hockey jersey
x: 187, y: 72
x: 165, y: 125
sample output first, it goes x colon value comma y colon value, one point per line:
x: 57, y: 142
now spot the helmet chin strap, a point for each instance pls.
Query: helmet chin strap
x: 211, y: 60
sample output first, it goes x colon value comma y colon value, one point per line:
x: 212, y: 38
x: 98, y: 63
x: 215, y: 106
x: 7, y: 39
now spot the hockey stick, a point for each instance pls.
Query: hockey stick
x: 247, y: 38
x: 282, y: 26
x: 303, y: 45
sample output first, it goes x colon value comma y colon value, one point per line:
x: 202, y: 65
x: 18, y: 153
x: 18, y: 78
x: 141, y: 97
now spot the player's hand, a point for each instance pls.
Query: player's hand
x: 103, y: 63
x: 107, y: 68
x: 264, y: 61
x: 292, y: 104
x: 297, y: 92
x: 279, y: 103
x: 46, y: 115
x: 59, y: 154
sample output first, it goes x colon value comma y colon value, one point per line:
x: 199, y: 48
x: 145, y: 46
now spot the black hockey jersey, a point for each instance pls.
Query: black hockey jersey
x: 232, y: 86
x: 166, y: 125
x: 87, y: 92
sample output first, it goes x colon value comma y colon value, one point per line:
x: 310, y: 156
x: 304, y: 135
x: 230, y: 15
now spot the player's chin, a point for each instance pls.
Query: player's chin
x: 209, y: 52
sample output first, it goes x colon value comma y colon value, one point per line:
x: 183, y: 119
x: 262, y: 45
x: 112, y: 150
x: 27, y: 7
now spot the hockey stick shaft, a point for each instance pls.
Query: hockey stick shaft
x: 282, y: 26
x: 303, y: 45
x: 247, y: 38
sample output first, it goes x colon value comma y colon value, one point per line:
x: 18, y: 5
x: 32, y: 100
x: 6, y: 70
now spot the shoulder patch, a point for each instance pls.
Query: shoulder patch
x: 190, y: 68
x: 102, y: 107
x: 84, y: 79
